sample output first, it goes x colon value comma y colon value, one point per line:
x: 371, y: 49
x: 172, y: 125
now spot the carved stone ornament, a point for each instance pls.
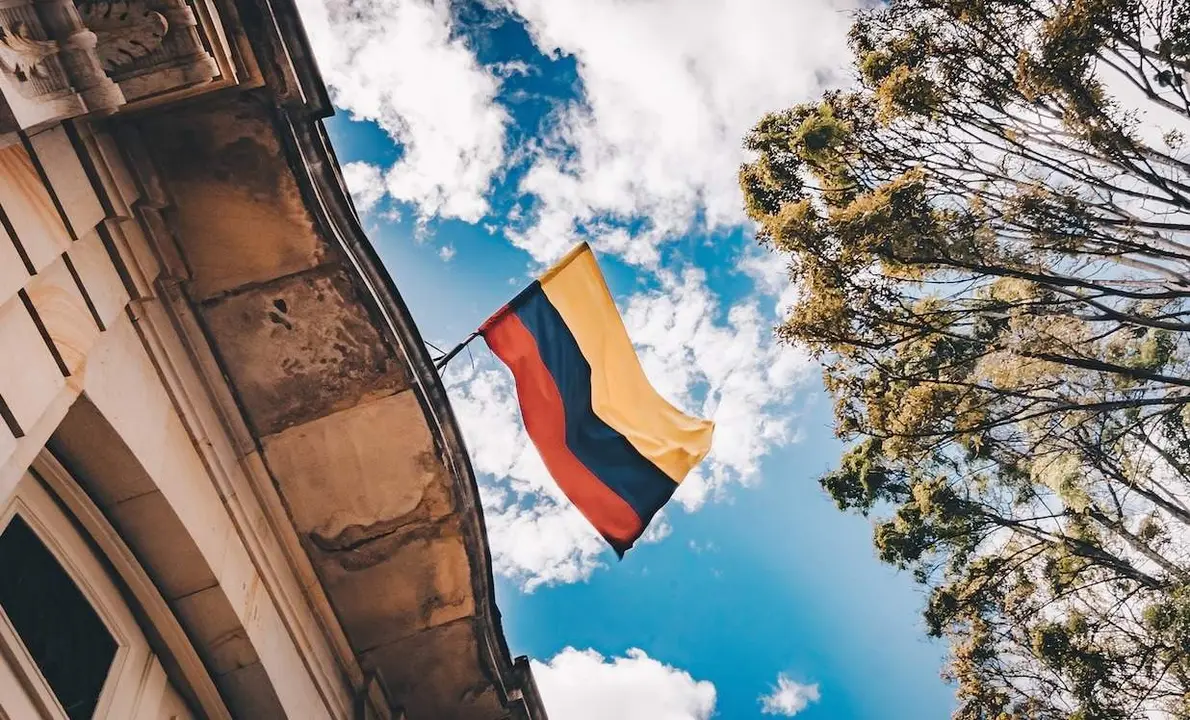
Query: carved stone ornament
x: 22, y: 55
x: 126, y: 30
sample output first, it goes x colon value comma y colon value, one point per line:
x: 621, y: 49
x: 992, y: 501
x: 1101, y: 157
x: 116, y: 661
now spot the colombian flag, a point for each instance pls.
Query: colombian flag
x: 611, y: 442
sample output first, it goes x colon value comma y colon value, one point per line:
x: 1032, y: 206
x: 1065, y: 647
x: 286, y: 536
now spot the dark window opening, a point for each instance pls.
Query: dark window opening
x: 67, y: 639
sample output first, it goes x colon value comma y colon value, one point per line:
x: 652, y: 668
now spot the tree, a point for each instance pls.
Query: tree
x: 990, y: 234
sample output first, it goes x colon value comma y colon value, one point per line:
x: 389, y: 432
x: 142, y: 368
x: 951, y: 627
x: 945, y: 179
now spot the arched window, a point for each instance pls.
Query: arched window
x: 70, y: 646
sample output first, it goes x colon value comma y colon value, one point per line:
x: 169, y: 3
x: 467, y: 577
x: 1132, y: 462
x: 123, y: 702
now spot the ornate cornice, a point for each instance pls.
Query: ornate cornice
x: 22, y: 55
x: 125, y: 30
x: 62, y: 59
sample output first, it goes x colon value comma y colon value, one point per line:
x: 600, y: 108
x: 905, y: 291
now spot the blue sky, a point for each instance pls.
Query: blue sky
x: 481, y: 141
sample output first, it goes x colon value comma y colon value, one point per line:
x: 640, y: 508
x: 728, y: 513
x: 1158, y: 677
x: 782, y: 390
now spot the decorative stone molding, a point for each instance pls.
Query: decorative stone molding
x: 149, y: 47
x: 126, y: 30
x: 22, y: 55
x: 77, y: 52
x: 61, y: 59
x: 34, y: 85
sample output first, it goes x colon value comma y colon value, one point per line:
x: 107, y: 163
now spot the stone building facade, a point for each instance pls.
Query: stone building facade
x: 231, y: 484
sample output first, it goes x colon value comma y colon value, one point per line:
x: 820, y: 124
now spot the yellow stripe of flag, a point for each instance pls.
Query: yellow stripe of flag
x: 621, y: 394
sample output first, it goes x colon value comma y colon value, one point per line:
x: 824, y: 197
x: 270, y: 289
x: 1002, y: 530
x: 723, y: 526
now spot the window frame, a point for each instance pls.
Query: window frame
x: 82, y: 563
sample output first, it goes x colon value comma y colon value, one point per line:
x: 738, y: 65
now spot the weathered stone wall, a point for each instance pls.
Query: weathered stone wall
x: 330, y: 398
x: 194, y: 323
x: 93, y: 363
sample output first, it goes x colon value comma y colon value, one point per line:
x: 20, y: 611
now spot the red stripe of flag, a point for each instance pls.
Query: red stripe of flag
x: 545, y: 421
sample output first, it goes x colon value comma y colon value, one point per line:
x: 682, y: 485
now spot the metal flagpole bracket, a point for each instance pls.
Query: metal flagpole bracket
x: 511, y: 305
x: 441, y: 362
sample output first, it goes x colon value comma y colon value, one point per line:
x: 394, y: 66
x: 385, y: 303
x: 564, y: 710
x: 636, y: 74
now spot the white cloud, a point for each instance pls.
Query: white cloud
x: 671, y: 86
x: 365, y: 183
x: 730, y: 370
x: 745, y: 378
x: 583, y: 685
x: 446, y: 252
x: 789, y: 698
x: 396, y: 63
x: 513, y: 68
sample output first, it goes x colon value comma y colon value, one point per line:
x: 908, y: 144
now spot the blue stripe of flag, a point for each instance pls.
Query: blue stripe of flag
x: 606, y: 453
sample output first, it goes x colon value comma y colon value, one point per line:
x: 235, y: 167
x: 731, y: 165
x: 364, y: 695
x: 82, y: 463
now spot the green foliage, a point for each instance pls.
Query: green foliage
x: 862, y: 479
x: 906, y: 92
x: 992, y: 251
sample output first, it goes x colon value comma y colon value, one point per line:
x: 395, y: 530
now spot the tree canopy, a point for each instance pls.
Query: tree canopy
x: 990, y: 236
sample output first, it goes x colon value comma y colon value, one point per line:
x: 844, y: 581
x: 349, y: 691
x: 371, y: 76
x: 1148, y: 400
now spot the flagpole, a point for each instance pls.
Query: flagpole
x: 509, y: 306
x: 513, y: 304
x: 441, y: 362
